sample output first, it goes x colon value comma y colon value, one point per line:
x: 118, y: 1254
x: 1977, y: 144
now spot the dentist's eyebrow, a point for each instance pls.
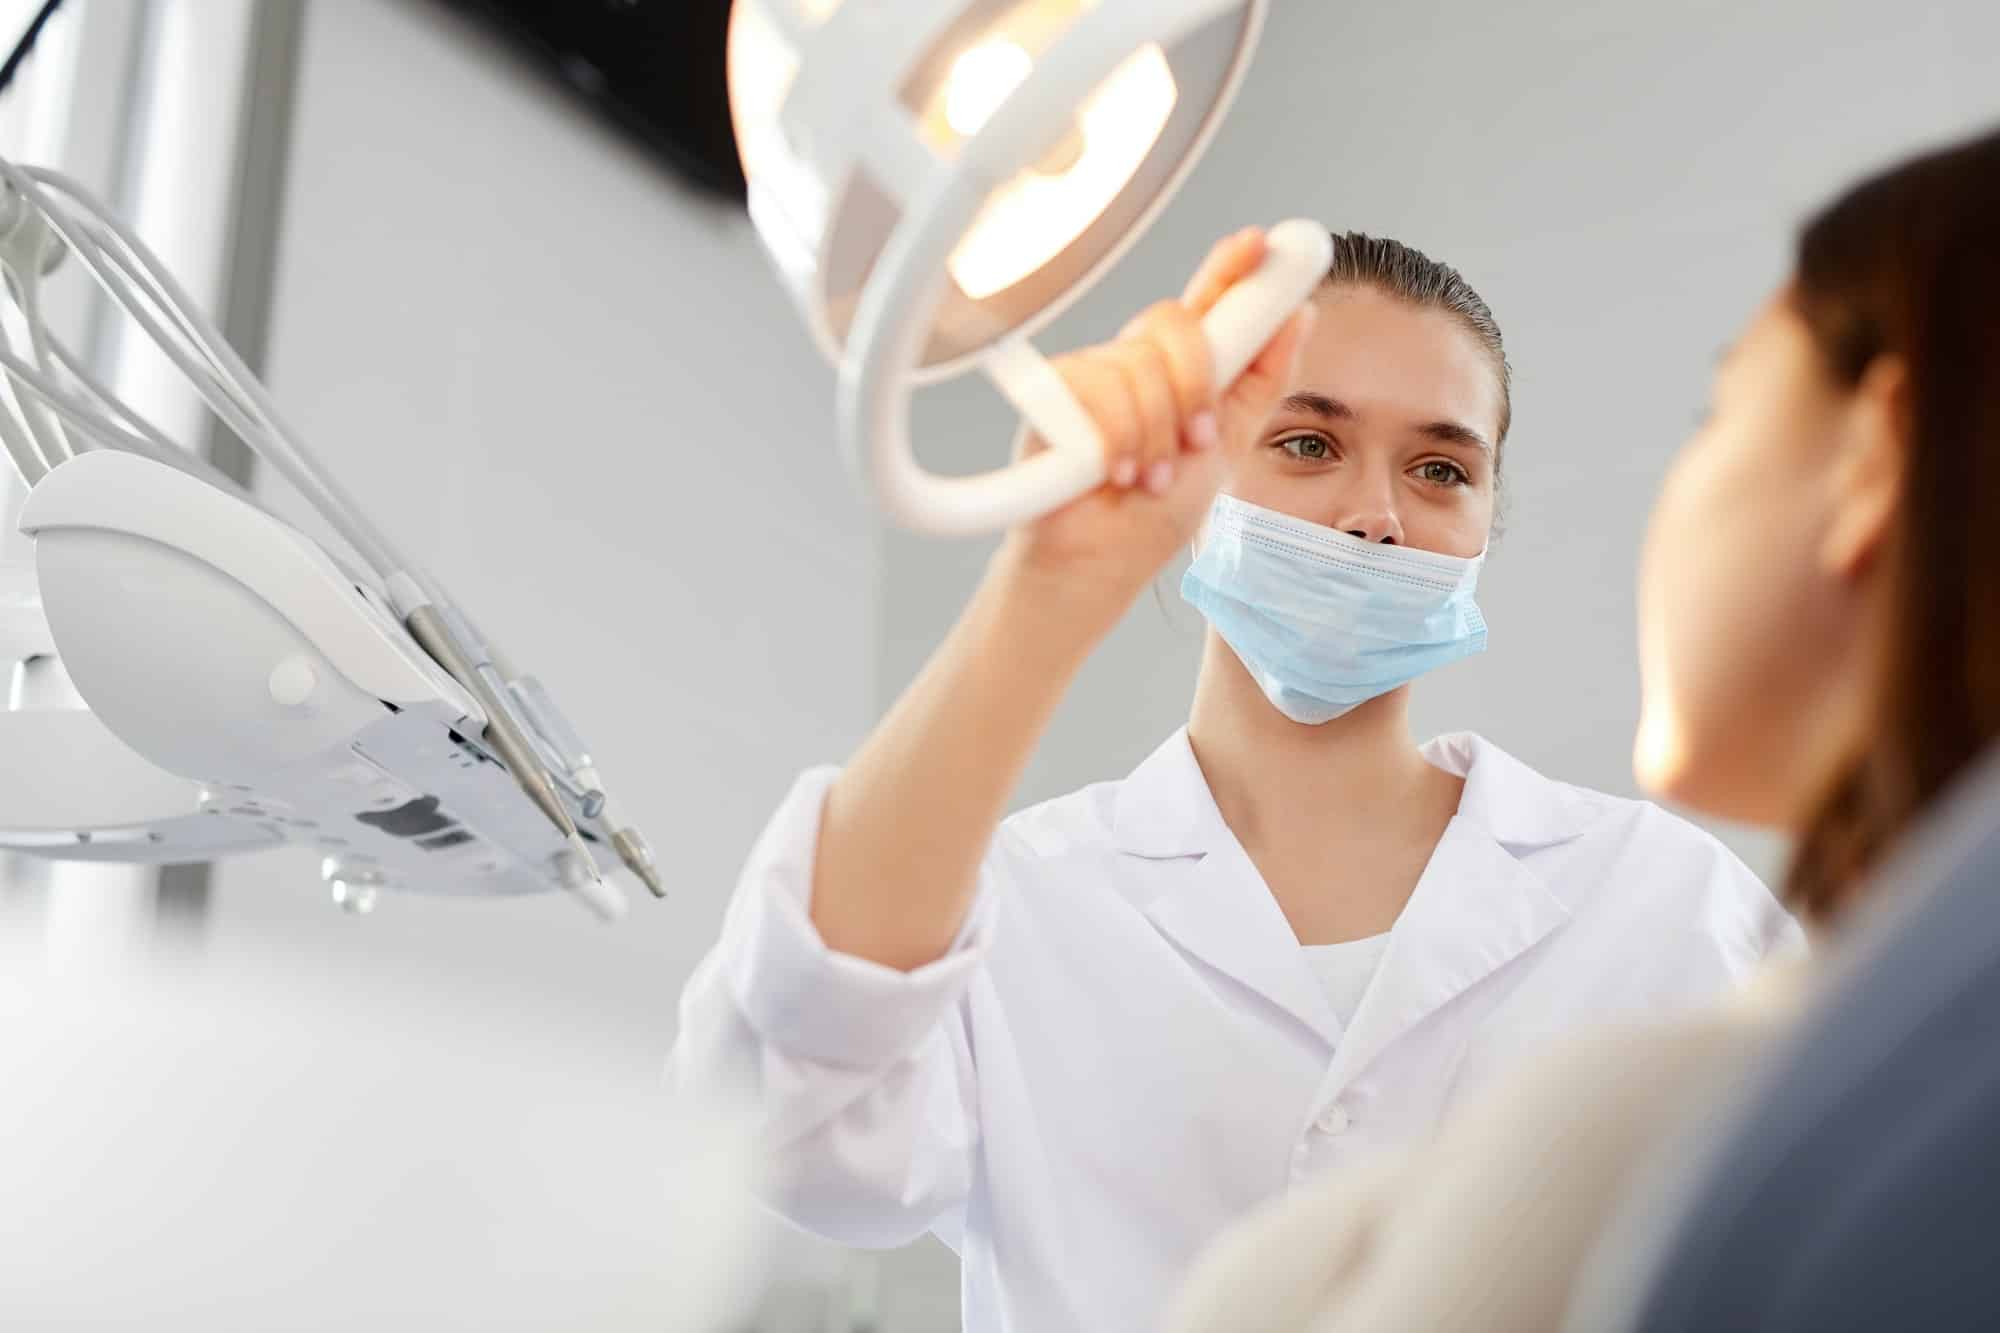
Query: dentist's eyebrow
x: 1311, y: 404
x: 1452, y: 432
x: 1308, y: 403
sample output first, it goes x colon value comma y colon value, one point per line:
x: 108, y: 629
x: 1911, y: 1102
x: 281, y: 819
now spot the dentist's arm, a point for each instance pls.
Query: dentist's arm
x: 906, y: 824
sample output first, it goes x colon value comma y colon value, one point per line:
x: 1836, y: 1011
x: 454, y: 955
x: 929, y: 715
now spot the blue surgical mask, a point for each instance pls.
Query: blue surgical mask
x: 1325, y: 621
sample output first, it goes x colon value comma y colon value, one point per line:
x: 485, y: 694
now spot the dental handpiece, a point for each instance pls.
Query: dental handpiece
x: 429, y: 626
x: 573, y: 764
x: 558, y: 735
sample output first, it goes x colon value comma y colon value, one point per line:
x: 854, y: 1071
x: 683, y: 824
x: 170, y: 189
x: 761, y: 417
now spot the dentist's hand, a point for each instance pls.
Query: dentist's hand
x: 1170, y: 441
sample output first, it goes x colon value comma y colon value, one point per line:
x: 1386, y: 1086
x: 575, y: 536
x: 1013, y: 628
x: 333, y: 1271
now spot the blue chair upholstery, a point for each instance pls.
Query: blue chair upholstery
x: 1859, y: 1187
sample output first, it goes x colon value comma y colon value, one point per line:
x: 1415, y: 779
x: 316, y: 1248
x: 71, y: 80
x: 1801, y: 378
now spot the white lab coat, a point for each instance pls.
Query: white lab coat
x: 1126, y: 1049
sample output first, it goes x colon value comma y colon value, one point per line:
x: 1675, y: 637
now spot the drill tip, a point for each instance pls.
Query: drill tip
x: 638, y: 858
x: 583, y: 856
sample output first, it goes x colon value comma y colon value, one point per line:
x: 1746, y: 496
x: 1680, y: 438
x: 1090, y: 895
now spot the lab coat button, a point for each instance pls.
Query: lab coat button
x: 1334, y: 1121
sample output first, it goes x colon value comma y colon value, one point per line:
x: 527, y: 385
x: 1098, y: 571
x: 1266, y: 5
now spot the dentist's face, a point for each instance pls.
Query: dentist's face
x: 1390, y: 431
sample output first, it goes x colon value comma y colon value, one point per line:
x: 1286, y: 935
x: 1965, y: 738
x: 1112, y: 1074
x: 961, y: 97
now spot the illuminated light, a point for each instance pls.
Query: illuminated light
x: 980, y: 80
x: 1038, y: 215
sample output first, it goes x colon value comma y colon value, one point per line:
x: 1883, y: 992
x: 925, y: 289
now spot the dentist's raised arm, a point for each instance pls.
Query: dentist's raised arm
x: 906, y: 824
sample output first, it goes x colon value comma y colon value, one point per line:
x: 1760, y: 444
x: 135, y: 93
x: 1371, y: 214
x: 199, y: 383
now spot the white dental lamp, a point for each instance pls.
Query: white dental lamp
x: 936, y: 179
x: 192, y: 677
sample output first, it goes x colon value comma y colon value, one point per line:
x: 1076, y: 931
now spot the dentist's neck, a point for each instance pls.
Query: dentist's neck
x: 1280, y: 782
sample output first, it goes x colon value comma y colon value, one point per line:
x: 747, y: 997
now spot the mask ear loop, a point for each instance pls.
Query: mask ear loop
x: 1194, y: 548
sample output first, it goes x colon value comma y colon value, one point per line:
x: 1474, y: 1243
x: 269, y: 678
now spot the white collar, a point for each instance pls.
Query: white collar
x: 1519, y: 807
x: 1165, y: 809
x: 1476, y: 907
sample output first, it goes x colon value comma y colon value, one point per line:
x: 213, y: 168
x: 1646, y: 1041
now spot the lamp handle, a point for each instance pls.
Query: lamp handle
x: 1240, y: 324
x: 1299, y: 253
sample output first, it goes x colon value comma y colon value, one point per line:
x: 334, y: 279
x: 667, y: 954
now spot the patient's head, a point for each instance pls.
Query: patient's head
x: 1820, y: 602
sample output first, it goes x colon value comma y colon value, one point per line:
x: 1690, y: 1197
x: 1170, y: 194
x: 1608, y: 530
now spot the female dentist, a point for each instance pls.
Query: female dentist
x: 1078, y: 1041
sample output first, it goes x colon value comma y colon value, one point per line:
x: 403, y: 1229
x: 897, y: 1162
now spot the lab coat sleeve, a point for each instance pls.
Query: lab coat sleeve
x: 860, y: 1077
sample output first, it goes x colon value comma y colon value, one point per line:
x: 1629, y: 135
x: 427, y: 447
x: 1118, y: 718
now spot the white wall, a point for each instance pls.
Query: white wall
x: 541, y: 365
x: 569, y: 388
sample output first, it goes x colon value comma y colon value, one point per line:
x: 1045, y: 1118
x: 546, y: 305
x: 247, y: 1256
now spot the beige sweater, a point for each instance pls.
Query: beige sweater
x: 1487, y: 1226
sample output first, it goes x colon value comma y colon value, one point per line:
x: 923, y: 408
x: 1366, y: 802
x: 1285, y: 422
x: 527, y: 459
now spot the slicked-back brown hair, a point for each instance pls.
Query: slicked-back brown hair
x: 1408, y: 274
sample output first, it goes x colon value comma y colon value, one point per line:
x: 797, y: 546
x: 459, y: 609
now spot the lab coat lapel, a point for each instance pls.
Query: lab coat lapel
x: 1213, y: 905
x: 1224, y: 915
x: 1475, y: 909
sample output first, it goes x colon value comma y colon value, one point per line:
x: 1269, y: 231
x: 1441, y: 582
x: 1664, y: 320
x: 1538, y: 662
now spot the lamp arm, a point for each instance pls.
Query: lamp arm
x: 39, y: 208
x: 133, y: 276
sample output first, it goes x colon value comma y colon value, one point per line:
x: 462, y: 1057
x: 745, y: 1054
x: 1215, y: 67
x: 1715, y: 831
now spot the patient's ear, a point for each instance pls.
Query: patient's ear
x: 1871, y: 464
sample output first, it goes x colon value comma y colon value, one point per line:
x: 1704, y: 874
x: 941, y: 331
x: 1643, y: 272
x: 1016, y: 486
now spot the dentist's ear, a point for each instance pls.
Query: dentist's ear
x: 1869, y: 470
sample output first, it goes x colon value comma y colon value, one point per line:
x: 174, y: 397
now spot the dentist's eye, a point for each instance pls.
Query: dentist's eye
x: 1439, y: 472
x: 1307, y: 448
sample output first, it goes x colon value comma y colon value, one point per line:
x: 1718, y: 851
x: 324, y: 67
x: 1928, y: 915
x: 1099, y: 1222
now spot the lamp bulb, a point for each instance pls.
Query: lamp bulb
x: 982, y: 78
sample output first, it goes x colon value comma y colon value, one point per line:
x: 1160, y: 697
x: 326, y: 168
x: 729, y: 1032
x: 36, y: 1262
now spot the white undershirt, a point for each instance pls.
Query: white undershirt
x: 1344, y: 971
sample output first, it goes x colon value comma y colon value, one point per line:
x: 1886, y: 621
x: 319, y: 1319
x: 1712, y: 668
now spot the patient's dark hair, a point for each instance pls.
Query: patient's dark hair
x: 1907, y: 265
